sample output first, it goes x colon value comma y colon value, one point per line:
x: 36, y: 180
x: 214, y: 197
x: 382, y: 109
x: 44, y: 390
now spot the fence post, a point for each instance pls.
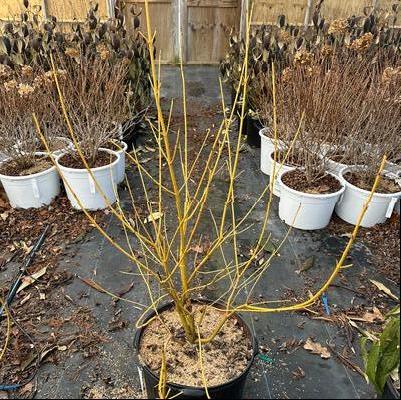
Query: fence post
x: 110, y: 4
x: 179, y: 14
x: 308, y: 10
x: 44, y: 9
x: 244, y: 13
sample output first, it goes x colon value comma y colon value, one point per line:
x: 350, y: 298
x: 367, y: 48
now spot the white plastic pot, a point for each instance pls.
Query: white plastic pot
x: 304, y: 210
x: 353, y: 199
x: 279, y: 170
x: 120, y: 168
x: 266, y: 148
x: 32, y: 191
x: 83, y: 186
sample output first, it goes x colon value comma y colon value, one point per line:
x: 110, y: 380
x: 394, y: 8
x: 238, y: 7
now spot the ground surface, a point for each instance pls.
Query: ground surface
x: 86, y: 338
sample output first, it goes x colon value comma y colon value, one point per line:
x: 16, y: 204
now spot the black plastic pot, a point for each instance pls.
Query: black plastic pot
x: 252, y: 128
x: 230, y: 390
x: 390, y: 392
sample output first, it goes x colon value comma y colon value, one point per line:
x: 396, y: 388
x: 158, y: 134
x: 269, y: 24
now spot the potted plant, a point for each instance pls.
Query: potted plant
x: 380, y: 127
x: 382, y: 360
x: 308, y: 194
x: 192, y: 346
x: 28, y: 176
x: 95, y: 96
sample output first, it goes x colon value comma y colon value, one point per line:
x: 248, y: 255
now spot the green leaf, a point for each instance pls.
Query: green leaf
x: 383, y: 356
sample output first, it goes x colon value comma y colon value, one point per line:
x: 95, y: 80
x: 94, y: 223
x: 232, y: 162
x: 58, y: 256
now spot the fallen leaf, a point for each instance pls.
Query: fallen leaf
x: 25, y: 390
x: 364, y: 332
x: 384, y: 289
x: 369, y: 316
x: 317, y: 348
x: 299, y: 373
x: 93, y: 284
x: 28, y: 280
x: 153, y: 217
x: 347, y: 235
x: 4, y: 215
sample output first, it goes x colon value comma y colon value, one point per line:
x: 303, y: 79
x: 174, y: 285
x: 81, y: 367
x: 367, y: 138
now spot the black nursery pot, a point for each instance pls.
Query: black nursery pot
x: 390, y: 392
x: 253, y: 126
x: 231, y: 390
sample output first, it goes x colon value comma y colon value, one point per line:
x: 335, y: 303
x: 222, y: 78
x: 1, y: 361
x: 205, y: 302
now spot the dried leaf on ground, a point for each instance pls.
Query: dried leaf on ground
x: 317, y: 348
x: 384, y: 289
x: 299, y: 373
x: 369, y: 316
x: 28, y: 280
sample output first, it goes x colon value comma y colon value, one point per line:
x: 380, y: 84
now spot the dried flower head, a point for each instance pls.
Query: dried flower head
x: 338, y: 26
x: 5, y: 72
x: 326, y: 51
x: 26, y: 71
x: 303, y: 57
x: 391, y: 75
x: 362, y: 43
x: 25, y: 90
x: 10, y: 85
x: 72, y: 52
x: 103, y: 51
x: 286, y: 75
x: 285, y: 36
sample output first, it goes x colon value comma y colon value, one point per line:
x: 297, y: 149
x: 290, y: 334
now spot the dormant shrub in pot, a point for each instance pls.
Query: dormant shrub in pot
x: 94, y: 95
x: 381, y: 130
x: 28, y: 176
x: 205, y: 338
x: 308, y: 193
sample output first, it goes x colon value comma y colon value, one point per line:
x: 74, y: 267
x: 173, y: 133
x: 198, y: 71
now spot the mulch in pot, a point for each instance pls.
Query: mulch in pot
x: 14, y: 168
x: 74, y: 161
x: 296, y: 180
x: 225, y: 358
x: 362, y: 181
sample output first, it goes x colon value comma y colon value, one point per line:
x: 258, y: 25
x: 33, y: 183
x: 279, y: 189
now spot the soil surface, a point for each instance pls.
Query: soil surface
x: 296, y: 180
x: 102, y: 159
x: 13, y: 168
x: 360, y: 180
x: 226, y: 357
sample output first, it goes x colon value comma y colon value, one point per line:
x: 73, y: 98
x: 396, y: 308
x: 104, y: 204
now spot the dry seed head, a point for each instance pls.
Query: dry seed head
x: 286, y: 75
x: 10, y: 85
x: 326, y: 51
x: 72, y: 52
x: 303, y: 57
x: 103, y: 51
x: 285, y: 36
x: 391, y: 75
x: 338, y: 26
x: 26, y: 71
x: 5, y: 72
x: 362, y: 43
x: 25, y: 90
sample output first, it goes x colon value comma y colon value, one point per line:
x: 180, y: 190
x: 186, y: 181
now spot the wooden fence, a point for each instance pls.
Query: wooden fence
x: 200, y: 28
x: 267, y: 11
